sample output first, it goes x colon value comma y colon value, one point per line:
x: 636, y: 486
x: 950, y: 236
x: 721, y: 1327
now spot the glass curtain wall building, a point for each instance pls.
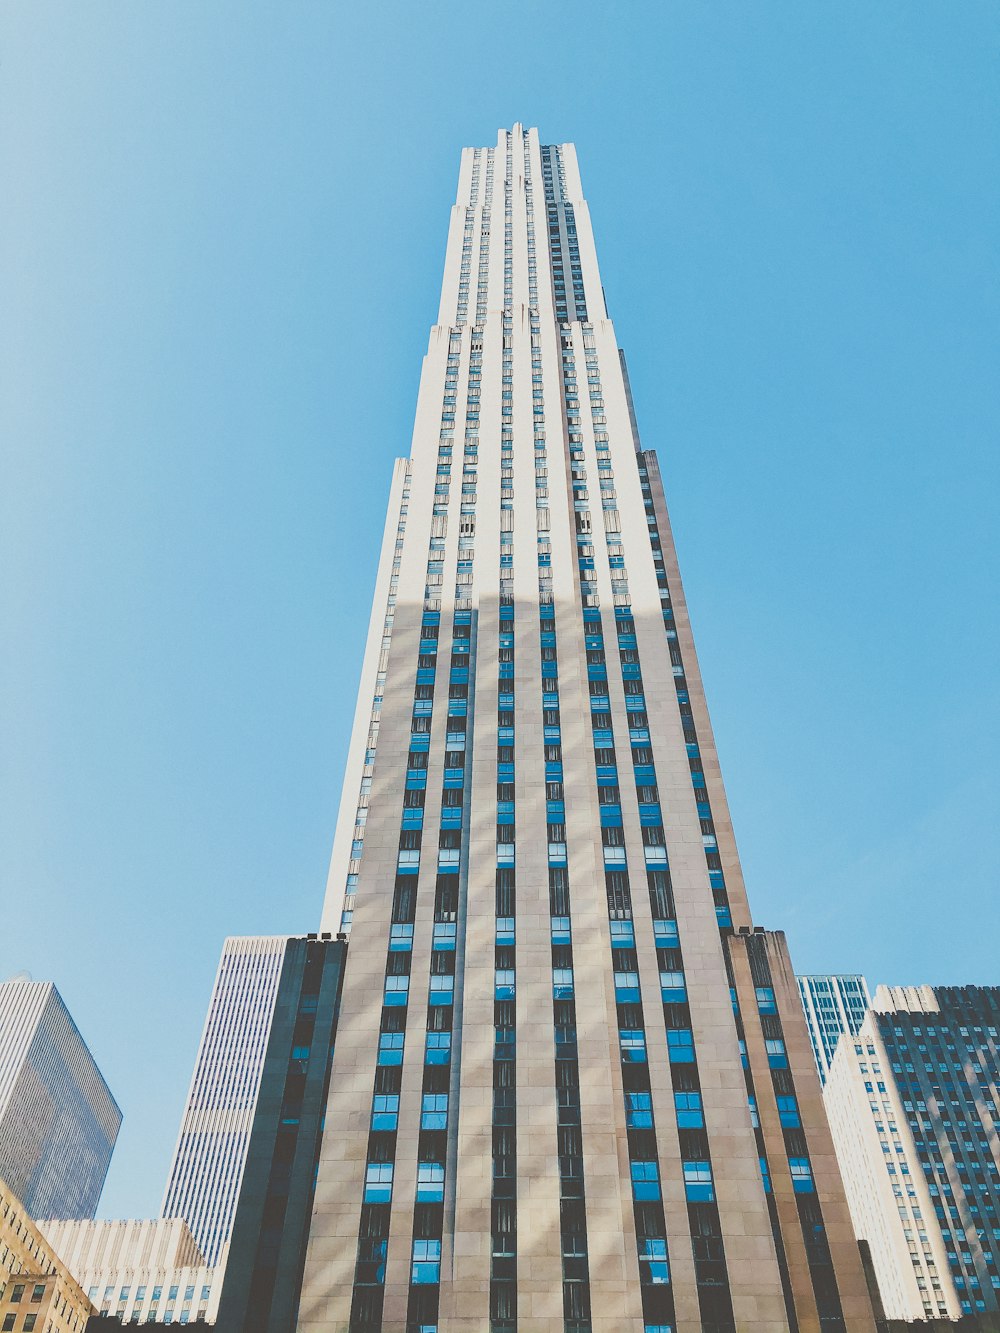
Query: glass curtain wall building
x: 572, y: 1088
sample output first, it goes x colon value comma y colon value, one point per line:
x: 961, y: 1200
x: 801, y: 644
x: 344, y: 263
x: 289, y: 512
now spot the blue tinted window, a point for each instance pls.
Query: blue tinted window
x: 444, y: 934
x: 639, y: 1110
x: 698, y: 1182
x: 390, y: 1048
x: 438, y: 1049
x: 645, y: 1181
x: 430, y: 1182
x: 378, y: 1182
x: 633, y: 1045
x: 665, y: 934
x: 622, y: 934
x: 385, y: 1111
x: 680, y: 1046
x: 788, y: 1112
x: 505, y: 930
x: 689, y: 1112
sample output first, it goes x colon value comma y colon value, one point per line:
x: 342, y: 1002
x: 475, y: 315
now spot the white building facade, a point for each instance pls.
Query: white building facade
x: 139, y: 1271
x: 572, y: 1087
x: 203, y: 1183
x: 58, y: 1119
x: 833, y: 1005
x: 890, y: 1204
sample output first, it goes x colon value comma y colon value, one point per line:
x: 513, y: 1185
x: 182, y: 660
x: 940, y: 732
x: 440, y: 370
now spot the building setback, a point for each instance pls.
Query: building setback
x: 58, y: 1119
x: 203, y: 1182
x: 914, y: 1106
x: 572, y: 1086
x: 833, y: 1005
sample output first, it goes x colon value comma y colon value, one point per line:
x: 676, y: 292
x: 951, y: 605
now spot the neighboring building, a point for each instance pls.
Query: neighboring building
x: 267, y: 1250
x: 968, y: 1323
x: 888, y: 1196
x: 139, y: 1271
x: 245, y: 1166
x: 106, y: 1323
x: 58, y: 1119
x: 204, y: 1178
x: 572, y: 1088
x: 833, y: 1005
x: 914, y: 1106
x: 37, y: 1290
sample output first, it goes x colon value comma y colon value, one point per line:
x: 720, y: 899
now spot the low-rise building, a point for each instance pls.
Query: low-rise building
x: 139, y: 1271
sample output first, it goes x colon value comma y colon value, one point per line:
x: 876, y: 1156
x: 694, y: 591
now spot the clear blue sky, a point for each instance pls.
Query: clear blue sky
x: 221, y: 241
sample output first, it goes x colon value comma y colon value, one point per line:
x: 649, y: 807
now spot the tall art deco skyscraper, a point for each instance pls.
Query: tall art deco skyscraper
x: 572, y: 1087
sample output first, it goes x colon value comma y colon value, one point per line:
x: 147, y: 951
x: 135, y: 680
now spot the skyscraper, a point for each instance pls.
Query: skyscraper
x: 833, y: 1005
x: 914, y: 1104
x: 58, y: 1119
x: 204, y: 1178
x: 572, y: 1086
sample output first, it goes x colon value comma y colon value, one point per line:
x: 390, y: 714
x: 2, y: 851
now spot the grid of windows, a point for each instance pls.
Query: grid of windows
x: 706, y: 1231
x: 572, y: 1186
x: 205, y: 1175
x: 833, y: 1005
x: 945, y: 1063
x: 435, y: 1097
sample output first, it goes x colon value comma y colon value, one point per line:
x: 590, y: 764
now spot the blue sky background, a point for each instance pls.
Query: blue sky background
x: 221, y: 241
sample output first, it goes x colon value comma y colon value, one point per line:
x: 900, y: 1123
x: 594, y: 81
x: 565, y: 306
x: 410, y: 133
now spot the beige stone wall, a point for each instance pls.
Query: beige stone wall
x: 829, y: 1189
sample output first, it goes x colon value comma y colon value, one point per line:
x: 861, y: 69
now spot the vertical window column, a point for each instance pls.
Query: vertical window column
x: 647, y: 1198
x: 503, y: 1203
x: 572, y: 1188
x: 369, y: 1277
x: 650, y: 1223
x: 432, y: 1142
x: 821, y: 1268
x: 703, y: 1213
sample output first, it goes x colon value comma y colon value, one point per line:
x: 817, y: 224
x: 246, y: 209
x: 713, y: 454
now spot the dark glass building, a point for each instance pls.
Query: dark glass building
x: 260, y: 1292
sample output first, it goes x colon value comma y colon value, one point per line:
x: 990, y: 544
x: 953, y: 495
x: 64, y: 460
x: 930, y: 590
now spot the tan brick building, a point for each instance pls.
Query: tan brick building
x: 37, y: 1291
